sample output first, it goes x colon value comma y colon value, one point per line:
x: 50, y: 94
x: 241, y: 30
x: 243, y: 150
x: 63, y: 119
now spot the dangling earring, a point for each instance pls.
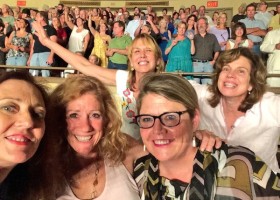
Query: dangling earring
x: 144, y: 148
x: 194, y: 141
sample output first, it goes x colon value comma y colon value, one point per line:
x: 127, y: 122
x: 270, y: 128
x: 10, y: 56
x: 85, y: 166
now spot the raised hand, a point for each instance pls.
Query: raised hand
x: 40, y: 32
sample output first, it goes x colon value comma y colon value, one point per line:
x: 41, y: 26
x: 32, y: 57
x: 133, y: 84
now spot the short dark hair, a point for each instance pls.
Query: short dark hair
x: 44, y: 14
x: 251, y: 5
x: 192, y: 15
x: 120, y: 23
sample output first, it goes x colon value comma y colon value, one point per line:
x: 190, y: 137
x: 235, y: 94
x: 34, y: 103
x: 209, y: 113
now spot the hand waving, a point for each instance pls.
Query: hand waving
x: 40, y: 32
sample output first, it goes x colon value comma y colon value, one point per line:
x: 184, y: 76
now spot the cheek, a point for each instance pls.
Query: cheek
x: 220, y: 79
x: 97, y: 125
x: 71, y: 125
x: 145, y: 134
x: 41, y: 131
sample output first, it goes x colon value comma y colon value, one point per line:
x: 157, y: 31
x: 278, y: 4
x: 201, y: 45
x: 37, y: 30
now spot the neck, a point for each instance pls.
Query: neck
x: 43, y: 23
x: 22, y: 30
x: 184, y: 166
x: 119, y: 35
x: 103, y: 32
x: 203, y: 34
x: 138, y: 77
x: 180, y: 37
x: 231, y: 104
x: 4, y: 172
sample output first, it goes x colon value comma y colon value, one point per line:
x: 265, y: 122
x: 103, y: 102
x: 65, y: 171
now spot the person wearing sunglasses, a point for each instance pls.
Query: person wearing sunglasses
x: 174, y: 168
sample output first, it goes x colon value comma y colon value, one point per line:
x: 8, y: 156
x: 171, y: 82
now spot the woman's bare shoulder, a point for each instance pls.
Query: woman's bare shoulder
x: 135, y: 151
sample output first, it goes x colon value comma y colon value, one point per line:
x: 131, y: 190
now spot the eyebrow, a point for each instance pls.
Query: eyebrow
x: 19, y: 100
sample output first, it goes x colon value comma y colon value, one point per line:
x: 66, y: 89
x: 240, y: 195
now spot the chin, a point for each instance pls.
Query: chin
x: 162, y: 156
x: 20, y: 158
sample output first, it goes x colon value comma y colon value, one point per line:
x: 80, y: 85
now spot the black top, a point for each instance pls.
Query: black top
x: 38, y: 47
x: 2, y: 45
x: 237, y: 17
x: 205, y: 46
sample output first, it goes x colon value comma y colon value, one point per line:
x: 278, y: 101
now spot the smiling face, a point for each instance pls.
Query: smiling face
x: 117, y: 29
x: 239, y: 32
x: 22, y: 122
x: 167, y: 143
x: 84, y: 124
x: 223, y: 18
x: 191, y: 21
x: 234, y: 79
x: 79, y: 22
x: 181, y: 29
x: 142, y: 57
x: 202, y: 26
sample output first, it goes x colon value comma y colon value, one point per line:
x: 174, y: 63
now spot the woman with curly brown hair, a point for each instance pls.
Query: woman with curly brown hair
x: 89, y: 157
x: 237, y: 107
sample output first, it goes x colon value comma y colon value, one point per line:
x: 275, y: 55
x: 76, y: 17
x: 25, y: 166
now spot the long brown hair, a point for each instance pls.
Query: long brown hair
x: 257, y: 77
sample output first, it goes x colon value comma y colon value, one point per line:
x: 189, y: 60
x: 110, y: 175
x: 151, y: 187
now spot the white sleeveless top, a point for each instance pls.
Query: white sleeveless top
x: 244, y: 44
x: 119, y: 185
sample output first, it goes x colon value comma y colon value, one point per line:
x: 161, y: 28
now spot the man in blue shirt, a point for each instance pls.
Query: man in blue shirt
x: 255, y: 29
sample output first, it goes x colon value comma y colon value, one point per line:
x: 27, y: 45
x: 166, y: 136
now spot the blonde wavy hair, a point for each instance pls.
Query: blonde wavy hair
x: 113, y: 145
x: 149, y: 41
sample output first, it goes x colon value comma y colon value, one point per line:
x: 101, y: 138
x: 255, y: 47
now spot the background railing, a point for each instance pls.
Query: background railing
x: 57, y: 80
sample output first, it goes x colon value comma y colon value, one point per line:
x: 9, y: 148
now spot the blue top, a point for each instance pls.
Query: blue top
x: 163, y: 44
x: 252, y: 24
x: 179, y: 58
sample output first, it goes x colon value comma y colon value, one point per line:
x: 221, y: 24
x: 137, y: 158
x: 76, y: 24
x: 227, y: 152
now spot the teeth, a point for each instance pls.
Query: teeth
x: 160, y: 142
x: 229, y: 85
x: 143, y: 63
x: 18, y: 139
x: 83, y: 138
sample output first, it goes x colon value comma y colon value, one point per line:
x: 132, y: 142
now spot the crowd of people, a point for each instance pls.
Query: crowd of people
x: 190, y: 40
x: 175, y: 138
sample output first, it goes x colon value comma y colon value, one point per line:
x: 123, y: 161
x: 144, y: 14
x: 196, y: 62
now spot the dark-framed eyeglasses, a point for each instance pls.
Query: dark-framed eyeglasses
x: 169, y: 119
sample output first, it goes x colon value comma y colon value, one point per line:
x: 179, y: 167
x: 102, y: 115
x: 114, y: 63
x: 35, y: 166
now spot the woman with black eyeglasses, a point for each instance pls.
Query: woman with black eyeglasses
x: 174, y: 168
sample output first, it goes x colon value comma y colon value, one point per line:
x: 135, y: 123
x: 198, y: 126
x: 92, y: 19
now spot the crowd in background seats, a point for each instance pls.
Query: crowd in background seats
x: 186, y: 37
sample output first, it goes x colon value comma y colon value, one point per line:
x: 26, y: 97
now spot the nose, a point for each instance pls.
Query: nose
x: 85, y: 125
x: 230, y: 74
x: 158, y: 127
x: 25, y: 120
x: 143, y: 54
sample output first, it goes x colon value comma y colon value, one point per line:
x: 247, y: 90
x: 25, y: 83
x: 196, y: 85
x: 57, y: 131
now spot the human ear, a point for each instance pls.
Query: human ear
x: 196, y: 120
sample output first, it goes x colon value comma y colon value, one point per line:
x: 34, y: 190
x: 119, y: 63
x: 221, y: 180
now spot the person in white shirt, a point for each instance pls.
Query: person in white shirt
x: 237, y: 107
x: 271, y: 45
x: 132, y: 26
x: 201, y: 13
x: 263, y: 14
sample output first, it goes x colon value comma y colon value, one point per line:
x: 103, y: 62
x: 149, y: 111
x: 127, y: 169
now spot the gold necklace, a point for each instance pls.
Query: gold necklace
x: 95, y: 182
x: 93, y: 194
